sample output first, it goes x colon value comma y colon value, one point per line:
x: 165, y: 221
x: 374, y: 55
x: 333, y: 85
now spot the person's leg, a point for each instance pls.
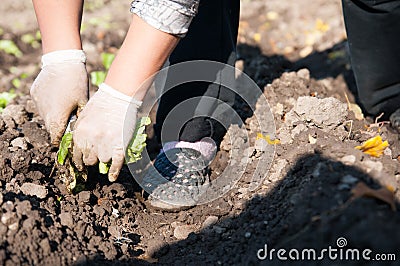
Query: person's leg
x: 373, y: 32
x: 59, y: 23
x: 212, y: 36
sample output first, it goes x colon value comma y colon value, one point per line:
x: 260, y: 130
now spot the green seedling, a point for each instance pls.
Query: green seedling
x: 64, y: 157
x: 31, y: 40
x: 16, y: 82
x: 135, y: 147
x: 6, y: 98
x: 9, y: 47
x: 133, y: 154
x: 98, y: 77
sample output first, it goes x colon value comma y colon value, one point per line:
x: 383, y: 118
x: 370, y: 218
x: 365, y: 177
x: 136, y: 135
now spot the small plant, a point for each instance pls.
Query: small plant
x: 135, y: 147
x: 98, y: 77
x: 9, y: 47
x: 32, y: 40
x: 6, y: 98
x: 74, y: 178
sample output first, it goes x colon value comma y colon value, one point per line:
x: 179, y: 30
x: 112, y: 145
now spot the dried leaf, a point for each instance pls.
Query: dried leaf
x: 384, y: 194
x: 267, y: 138
x: 374, y: 146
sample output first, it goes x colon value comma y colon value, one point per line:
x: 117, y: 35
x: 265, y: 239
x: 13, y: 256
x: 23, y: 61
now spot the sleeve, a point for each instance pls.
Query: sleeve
x: 170, y: 16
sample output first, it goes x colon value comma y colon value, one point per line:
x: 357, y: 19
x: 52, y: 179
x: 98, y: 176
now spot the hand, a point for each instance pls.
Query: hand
x: 58, y: 90
x: 104, y: 128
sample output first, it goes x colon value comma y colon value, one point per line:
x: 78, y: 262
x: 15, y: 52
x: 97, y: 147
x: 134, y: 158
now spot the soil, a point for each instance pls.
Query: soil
x: 309, y: 199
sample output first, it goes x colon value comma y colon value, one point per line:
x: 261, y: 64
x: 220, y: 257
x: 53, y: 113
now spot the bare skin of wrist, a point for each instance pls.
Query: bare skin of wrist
x: 142, y: 54
x: 59, y: 23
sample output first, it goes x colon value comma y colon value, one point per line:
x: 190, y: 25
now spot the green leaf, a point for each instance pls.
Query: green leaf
x: 38, y: 35
x: 107, y: 59
x: 10, y: 47
x: 16, y: 83
x: 138, y: 142
x: 104, y: 167
x: 5, y: 99
x: 65, y: 145
x: 97, y: 77
x: 28, y: 38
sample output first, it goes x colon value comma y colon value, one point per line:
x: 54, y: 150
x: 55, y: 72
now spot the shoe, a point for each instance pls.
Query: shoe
x: 178, y: 178
x: 395, y: 120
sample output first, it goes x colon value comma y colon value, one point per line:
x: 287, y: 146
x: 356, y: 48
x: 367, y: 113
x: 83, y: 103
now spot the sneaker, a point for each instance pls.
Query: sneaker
x: 179, y: 177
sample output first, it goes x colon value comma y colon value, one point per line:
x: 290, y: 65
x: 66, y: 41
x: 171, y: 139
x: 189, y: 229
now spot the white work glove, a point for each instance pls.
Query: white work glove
x: 104, y: 128
x: 60, y: 88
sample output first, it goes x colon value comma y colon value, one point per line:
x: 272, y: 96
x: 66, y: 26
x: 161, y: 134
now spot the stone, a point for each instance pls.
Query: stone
x: 349, y: 179
x: 326, y: 113
x: 276, y: 171
x: 84, y: 196
x: 16, y: 112
x: 20, y: 142
x: 369, y: 166
x: 348, y: 159
x: 209, y: 221
x: 114, y: 231
x: 304, y: 73
x: 30, y: 107
x: 182, y: 231
x: 13, y: 226
x: 31, y: 189
x: 157, y: 248
x: 66, y: 219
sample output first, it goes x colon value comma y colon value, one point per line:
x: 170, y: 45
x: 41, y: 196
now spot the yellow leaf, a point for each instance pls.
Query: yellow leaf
x: 257, y: 37
x: 321, y: 26
x: 374, y: 146
x: 267, y: 138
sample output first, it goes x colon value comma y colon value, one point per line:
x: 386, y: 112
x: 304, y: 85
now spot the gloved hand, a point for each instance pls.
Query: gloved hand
x: 104, y: 128
x: 60, y: 88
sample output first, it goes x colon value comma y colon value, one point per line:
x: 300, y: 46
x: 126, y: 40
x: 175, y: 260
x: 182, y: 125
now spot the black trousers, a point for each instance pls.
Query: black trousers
x: 212, y: 36
x: 373, y: 32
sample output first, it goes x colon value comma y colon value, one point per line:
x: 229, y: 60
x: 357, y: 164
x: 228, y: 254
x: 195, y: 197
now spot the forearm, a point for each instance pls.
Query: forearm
x: 59, y: 23
x: 143, y: 53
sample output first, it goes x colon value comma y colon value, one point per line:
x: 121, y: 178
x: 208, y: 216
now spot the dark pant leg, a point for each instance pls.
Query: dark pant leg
x: 373, y: 32
x: 212, y: 36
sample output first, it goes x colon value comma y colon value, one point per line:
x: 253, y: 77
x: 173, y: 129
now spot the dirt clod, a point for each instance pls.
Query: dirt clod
x: 34, y: 190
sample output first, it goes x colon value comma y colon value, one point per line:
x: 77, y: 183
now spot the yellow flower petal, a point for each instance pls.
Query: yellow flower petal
x: 267, y: 138
x: 374, y: 146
